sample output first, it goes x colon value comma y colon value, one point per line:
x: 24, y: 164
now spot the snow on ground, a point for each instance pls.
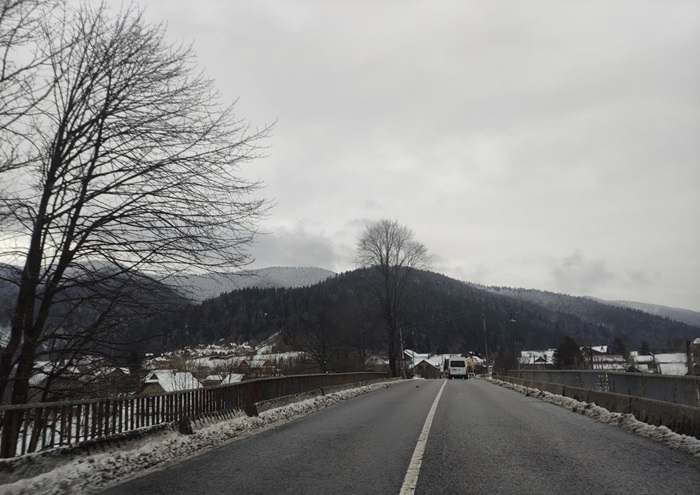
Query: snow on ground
x: 684, y: 443
x: 96, y: 472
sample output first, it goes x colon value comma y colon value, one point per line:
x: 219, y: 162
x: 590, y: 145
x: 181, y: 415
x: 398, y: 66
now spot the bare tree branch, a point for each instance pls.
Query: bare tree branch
x: 137, y: 171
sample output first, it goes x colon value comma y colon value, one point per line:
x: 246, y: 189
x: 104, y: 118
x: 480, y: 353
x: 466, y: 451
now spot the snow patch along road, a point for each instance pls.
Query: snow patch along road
x: 684, y: 443
x: 96, y: 472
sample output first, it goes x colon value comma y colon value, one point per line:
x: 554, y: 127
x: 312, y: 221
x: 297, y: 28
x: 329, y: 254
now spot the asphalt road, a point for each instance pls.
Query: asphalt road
x: 484, y: 439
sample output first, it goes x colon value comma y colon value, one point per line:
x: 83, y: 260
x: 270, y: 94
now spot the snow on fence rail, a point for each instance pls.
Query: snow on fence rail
x: 683, y: 390
x: 32, y: 427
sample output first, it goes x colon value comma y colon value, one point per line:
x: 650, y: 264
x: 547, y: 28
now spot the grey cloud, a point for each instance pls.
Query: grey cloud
x: 505, y: 131
x: 297, y: 247
x: 577, y: 275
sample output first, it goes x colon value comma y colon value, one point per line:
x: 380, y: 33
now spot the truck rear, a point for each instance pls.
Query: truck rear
x: 456, y: 367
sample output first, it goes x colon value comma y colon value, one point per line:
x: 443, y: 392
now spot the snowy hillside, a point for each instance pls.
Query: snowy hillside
x: 201, y: 287
x: 581, y: 305
x: 678, y: 314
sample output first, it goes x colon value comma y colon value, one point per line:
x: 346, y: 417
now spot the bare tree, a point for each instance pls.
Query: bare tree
x: 361, y: 333
x: 391, y: 252
x: 136, y: 170
x: 318, y: 337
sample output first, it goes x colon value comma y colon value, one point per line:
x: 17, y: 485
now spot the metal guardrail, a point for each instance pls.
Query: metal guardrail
x: 42, y: 425
x: 684, y: 390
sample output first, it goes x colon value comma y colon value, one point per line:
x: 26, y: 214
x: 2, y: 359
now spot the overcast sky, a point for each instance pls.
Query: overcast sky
x: 540, y: 144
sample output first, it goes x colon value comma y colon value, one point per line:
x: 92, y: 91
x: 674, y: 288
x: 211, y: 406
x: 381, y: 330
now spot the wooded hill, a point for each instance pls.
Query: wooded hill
x: 440, y: 315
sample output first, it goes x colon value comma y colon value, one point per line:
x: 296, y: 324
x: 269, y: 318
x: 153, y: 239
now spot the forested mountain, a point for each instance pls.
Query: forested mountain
x: 440, y: 315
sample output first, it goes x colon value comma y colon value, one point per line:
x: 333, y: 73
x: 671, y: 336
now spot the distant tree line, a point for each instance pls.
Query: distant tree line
x: 337, y: 321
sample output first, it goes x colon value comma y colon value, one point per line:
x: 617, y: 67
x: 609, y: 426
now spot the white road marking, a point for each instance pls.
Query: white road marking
x: 411, y: 479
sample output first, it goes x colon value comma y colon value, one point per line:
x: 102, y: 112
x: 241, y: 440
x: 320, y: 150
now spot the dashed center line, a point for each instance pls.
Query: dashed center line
x: 411, y: 479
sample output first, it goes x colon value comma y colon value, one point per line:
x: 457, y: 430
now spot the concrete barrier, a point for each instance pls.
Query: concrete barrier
x: 580, y: 394
x: 679, y: 418
x: 683, y: 390
x: 552, y: 388
x: 676, y: 417
x: 618, y: 403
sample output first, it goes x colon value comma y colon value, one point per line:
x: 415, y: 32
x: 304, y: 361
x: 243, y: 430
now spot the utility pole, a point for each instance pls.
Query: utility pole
x: 516, y: 343
x: 486, y: 344
x: 403, y: 369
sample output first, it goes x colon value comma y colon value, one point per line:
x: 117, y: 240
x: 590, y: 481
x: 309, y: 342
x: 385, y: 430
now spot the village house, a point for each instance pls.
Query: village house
x: 427, y: 369
x: 537, y: 360
x: 256, y: 368
x: 160, y: 381
x: 609, y: 362
x: 597, y: 358
x: 415, y: 363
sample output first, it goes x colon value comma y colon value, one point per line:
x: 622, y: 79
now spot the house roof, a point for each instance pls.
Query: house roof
x: 429, y: 363
x: 173, y: 380
x: 256, y: 363
x: 417, y: 356
x: 232, y: 378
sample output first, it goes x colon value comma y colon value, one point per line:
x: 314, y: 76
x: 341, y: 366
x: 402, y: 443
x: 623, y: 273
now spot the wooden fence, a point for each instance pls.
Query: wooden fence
x: 32, y: 427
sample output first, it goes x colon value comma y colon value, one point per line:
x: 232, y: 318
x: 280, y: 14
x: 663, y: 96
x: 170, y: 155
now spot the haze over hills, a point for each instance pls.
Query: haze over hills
x: 576, y: 304
x: 678, y: 314
x: 200, y: 287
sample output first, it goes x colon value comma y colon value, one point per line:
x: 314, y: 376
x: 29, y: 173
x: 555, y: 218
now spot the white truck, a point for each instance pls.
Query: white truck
x: 456, y: 367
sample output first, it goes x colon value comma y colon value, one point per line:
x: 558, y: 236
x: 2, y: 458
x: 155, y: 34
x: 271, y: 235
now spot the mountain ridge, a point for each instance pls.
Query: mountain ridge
x: 201, y: 287
x: 198, y: 288
x: 295, y: 277
x: 443, y: 315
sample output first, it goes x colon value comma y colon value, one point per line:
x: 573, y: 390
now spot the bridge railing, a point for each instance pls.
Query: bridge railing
x: 36, y: 426
x: 684, y: 390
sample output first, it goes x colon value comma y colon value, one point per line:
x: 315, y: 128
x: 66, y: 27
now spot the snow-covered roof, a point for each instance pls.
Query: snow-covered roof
x: 673, y: 368
x: 416, y: 356
x: 232, y: 378
x: 675, y: 363
x: 435, y: 360
x: 429, y: 363
x: 173, y: 380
